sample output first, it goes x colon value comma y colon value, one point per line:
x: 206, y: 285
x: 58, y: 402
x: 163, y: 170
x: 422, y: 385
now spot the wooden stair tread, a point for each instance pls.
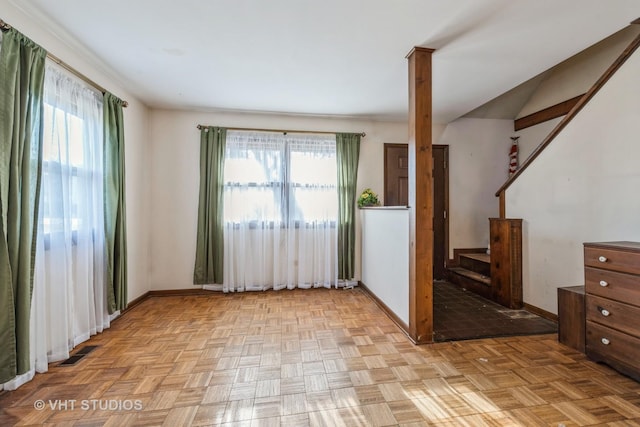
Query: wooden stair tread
x: 472, y: 275
x: 478, y: 262
x: 478, y: 257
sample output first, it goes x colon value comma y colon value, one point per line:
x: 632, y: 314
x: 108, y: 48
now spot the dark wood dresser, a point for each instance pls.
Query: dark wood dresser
x: 612, y: 286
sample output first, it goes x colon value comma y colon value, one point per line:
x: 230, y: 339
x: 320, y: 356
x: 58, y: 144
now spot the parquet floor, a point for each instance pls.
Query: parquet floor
x: 317, y: 358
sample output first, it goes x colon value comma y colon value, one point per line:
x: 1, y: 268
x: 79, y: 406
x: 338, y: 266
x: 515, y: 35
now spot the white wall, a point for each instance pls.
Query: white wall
x: 174, y: 167
x: 136, y: 138
x: 385, y: 257
x: 576, y: 76
x: 582, y: 188
x: 532, y: 136
x: 478, y: 166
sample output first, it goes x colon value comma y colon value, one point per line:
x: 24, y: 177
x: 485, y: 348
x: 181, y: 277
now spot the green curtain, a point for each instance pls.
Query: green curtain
x: 21, y: 97
x: 115, y: 218
x: 210, y: 244
x: 347, y: 153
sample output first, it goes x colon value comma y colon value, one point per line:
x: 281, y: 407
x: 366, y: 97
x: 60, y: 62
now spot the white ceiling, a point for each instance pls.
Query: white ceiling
x: 326, y: 57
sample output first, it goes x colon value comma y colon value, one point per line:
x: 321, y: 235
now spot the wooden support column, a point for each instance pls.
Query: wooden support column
x: 420, y: 197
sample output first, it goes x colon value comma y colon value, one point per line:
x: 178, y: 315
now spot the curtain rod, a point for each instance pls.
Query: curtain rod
x: 362, y: 134
x: 5, y: 27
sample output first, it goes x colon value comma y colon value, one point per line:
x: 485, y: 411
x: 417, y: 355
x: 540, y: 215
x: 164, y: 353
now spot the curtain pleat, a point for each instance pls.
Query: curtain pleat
x: 210, y: 240
x: 348, y: 152
x: 115, y: 203
x: 21, y: 89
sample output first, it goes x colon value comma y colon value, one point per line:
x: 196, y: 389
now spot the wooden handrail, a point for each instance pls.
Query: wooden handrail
x: 626, y: 54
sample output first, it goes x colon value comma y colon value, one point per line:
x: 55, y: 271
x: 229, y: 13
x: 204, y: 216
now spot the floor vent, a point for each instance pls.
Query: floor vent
x: 75, y: 358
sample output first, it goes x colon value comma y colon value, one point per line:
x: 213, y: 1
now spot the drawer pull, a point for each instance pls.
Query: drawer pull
x: 602, y: 258
x: 605, y: 312
x: 603, y: 283
x: 605, y: 341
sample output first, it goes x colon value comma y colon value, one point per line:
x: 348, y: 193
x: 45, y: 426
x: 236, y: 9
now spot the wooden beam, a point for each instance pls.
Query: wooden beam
x: 503, y: 205
x: 560, y: 109
x: 420, y: 197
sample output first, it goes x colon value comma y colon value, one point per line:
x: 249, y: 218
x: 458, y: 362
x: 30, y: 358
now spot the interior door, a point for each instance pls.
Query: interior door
x: 396, y: 193
x: 396, y: 175
x: 440, y: 208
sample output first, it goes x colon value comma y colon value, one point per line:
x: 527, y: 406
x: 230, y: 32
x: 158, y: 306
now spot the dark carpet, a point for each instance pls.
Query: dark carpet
x: 462, y: 315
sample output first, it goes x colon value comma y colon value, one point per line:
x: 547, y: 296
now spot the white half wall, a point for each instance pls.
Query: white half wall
x: 385, y: 257
x: 136, y: 132
x: 175, y: 178
x: 478, y: 166
x: 582, y: 188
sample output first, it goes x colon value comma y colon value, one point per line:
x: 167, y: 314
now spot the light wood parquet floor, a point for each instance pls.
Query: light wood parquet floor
x: 313, y: 358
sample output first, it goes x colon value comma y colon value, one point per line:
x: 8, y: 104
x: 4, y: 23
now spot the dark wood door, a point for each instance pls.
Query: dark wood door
x: 396, y: 193
x: 396, y: 175
x: 440, y: 207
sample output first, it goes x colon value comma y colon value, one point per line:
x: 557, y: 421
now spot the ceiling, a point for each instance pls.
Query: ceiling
x: 328, y: 57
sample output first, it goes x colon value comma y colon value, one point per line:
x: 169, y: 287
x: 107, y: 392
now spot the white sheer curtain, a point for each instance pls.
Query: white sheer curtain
x: 280, y: 211
x: 69, y: 294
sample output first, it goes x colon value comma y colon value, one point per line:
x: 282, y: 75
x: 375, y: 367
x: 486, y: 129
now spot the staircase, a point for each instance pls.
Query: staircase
x: 473, y: 273
x: 497, y: 277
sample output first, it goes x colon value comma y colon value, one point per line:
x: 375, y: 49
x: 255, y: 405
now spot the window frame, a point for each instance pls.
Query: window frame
x: 285, y: 219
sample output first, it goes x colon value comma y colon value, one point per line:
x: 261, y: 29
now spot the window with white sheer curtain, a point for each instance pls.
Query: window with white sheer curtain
x: 69, y: 296
x: 280, y: 211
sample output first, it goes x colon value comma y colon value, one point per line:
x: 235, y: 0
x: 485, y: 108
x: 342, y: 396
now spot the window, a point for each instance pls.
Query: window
x: 274, y: 179
x: 72, y: 180
x: 63, y: 154
x: 280, y: 211
x: 69, y: 279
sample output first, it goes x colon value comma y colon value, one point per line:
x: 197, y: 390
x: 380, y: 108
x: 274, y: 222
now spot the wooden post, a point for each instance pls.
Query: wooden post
x: 506, y: 261
x: 420, y: 197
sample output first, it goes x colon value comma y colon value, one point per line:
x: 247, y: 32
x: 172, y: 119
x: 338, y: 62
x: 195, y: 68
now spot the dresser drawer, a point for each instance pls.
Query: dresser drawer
x: 605, y: 343
x: 612, y: 285
x: 616, y: 315
x: 612, y: 259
